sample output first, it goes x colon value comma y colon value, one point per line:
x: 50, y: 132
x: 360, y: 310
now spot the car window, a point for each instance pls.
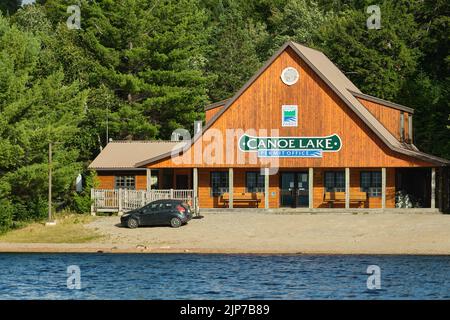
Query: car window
x: 146, y: 209
x: 158, y: 206
x: 152, y: 207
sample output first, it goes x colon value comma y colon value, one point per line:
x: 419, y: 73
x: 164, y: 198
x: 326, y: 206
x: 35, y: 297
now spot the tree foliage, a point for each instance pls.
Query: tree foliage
x: 36, y: 107
x: 234, y: 45
x: 9, y: 7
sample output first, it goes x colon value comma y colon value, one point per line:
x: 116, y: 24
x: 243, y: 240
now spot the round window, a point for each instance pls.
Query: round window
x: 290, y: 76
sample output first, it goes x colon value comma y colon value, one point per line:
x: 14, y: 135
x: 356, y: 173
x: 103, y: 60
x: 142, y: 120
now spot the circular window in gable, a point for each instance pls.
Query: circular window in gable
x: 290, y: 76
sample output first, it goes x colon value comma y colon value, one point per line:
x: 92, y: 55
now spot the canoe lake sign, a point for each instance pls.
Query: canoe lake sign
x: 290, y: 147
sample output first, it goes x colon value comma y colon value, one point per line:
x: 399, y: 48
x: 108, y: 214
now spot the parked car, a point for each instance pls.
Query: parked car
x: 160, y: 212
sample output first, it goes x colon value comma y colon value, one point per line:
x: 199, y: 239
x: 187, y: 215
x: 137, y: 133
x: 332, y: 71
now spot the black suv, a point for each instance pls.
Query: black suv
x: 160, y: 212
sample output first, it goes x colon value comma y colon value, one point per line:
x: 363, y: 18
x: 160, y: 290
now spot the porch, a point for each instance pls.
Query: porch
x: 302, y: 189
x: 123, y: 200
x: 306, y: 190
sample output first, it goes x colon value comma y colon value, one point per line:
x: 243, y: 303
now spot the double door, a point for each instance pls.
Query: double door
x: 294, y: 189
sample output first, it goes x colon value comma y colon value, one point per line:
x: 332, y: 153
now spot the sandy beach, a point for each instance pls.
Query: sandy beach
x: 269, y: 234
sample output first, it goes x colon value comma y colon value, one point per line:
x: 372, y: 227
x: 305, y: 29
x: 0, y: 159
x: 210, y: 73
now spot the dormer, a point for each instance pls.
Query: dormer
x: 396, y: 118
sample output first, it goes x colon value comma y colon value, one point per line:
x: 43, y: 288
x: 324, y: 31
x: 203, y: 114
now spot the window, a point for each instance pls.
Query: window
x: 124, y: 182
x: 150, y: 207
x: 335, y: 181
x: 371, y: 183
x: 153, y: 207
x: 402, y: 126
x: 410, y: 128
x: 219, y: 183
x: 154, y: 180
x: 254, y: 182
x: 167, y: 205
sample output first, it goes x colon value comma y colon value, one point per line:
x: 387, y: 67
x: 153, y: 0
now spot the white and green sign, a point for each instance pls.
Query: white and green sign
x: 290, y: 147
x: 289, y: 114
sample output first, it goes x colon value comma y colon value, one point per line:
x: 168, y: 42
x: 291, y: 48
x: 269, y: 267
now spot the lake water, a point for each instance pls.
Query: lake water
x: 192, y: 276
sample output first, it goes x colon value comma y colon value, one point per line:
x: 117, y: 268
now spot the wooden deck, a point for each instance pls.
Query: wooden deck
x: 122, y: 200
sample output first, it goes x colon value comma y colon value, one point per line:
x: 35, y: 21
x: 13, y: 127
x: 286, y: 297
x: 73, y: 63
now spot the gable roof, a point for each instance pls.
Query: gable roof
x: 126, y: 154
x: 216, y: 104
x: 341, y: 86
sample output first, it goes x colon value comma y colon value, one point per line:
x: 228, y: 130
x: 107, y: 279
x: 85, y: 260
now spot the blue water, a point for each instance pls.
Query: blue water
x: 190, y: 276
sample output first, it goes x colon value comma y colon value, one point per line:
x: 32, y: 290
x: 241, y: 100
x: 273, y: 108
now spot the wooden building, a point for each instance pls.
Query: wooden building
x: 299, y: 133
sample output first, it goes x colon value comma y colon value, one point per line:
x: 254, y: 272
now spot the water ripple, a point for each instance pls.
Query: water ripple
x: 190, y: 276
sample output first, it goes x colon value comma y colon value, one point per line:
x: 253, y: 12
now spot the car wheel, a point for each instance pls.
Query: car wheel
x: 175, y: 222
x: 132, y: 223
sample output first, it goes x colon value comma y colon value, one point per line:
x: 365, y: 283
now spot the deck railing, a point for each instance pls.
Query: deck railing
x: 121, y: 200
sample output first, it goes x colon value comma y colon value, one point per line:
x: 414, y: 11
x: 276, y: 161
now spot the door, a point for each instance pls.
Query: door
x: 148, y: 213
x: 163, y: 214
x: 154, y: 213
x: 287, y: 186
x: 182, y: 181
x: 294, y: 189
x: 302, y: 189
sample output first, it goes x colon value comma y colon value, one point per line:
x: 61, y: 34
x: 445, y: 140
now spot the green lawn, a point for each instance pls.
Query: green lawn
x: 69, y: 229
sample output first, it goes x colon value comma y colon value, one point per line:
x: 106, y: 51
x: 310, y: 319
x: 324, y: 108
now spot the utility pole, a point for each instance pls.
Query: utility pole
x: 107, y: 124
x: 50, y: 222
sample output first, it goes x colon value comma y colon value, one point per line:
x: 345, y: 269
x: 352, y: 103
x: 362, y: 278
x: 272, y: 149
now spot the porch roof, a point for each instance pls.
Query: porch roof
x: 126, y: 154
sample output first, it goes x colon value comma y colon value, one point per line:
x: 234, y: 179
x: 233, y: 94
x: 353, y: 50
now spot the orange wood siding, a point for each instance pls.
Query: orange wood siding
x: 239, y: 176
x: 321, y: 113
x: 141, y: 182
x: 389, y: 117
x: 211, y: 112
x: 105, y: 181
x: 204, y: 190
x: 390, y: 188
x: 355, y: 173
x: 207, y: 201
x: 407, y: 137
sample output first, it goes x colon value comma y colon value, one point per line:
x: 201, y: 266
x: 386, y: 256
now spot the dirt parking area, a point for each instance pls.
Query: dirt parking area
x: 277, y: 233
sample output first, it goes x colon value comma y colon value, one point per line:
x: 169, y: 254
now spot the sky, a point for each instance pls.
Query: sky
x: 27, y: 1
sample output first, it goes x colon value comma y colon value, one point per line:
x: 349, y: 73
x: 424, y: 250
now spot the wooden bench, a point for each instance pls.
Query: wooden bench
x: 339, y: 197
x: 244, y: 197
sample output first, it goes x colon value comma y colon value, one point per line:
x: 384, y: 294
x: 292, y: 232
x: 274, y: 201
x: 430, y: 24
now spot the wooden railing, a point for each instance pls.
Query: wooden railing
x: 121, y: 200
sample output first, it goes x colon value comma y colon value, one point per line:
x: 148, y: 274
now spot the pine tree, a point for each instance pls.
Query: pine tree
x: 233, y: 57
x: 296, y: 20
x: 174, y: 79
x: 9, y: 7
x: 149, y: 54
x: 35, y: 108
x: 428, y: 89
x: 378, y: 61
